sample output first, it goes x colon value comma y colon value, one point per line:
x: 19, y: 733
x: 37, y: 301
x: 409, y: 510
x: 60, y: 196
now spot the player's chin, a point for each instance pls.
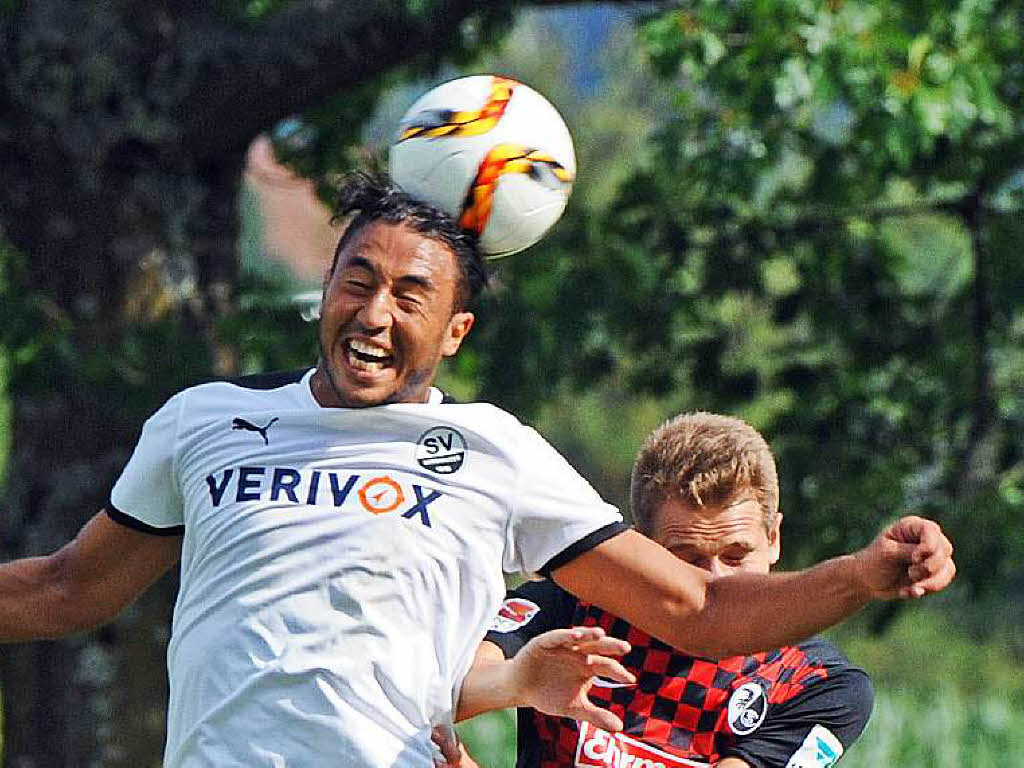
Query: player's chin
x: 361, y: 387
x: 364, y: 394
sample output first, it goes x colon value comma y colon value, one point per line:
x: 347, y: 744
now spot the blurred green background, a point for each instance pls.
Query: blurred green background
x: 807, y: 214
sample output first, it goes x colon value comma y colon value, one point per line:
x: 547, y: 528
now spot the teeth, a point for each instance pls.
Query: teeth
x: 366, y: 348
x: 358, y: 351
x: 363, y: 366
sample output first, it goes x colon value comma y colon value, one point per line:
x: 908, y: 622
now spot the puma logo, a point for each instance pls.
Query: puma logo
x: 237, y: 423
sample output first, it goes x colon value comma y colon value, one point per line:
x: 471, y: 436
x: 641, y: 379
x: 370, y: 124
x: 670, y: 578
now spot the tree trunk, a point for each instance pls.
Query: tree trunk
x: 100, y: 698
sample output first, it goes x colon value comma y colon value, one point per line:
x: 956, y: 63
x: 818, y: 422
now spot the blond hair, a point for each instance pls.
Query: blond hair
x: 702, y: 459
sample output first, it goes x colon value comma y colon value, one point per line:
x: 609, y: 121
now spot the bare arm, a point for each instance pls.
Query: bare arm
x: 85, y: 583
x: 732, y: 762
x: 552, y: 673
x: 478, y: 687
x: 635, y: 578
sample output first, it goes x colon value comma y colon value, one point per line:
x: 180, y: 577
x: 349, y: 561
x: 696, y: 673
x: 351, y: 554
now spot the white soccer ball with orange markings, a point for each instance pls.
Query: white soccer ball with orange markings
x: 491, y: 152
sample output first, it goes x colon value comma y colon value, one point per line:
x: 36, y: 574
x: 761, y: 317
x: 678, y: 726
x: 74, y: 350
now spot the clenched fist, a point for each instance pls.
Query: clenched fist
x: 910, y: 558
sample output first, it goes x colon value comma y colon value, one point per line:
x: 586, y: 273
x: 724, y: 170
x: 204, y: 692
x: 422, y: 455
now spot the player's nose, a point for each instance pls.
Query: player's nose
x: 375, y: 312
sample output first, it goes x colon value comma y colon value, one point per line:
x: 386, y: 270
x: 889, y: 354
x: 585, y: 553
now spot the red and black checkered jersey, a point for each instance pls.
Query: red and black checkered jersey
x: 796, y: 706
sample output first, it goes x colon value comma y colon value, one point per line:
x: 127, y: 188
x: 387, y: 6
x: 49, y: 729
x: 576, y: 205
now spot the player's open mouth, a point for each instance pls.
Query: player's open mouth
x: 366, y: 356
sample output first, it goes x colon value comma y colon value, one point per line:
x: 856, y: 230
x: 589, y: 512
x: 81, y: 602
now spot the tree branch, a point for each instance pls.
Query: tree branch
x: 980, y: 456
x: 311, y: 50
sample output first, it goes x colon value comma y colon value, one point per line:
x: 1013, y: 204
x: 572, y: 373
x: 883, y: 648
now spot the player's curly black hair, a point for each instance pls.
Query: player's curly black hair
x: 365, y: 197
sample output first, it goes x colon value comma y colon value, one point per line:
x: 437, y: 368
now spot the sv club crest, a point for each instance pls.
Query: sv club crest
x: 441, y: 450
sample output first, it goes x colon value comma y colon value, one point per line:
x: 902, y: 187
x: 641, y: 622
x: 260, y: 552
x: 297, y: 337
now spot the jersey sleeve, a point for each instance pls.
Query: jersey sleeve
x: 557, y: 515
x: 814, y: 728
x: 146, y: 496
x: 530, y: 610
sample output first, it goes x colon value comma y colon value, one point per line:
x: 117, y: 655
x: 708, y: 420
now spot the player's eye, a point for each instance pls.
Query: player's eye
x: 411, y: 299
x: 692, y: 558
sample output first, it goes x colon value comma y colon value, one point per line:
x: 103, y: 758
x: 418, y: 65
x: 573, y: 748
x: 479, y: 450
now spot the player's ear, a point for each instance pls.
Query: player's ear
x: 775, y: 538
x: 458, y: 327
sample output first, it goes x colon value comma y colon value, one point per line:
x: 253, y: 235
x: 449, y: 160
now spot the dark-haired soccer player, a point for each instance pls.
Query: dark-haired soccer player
x: 342, y: 555
x: 705, y: 487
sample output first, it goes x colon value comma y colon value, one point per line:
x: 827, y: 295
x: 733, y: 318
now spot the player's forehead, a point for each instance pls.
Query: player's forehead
x: 738, y: 519
x: 394, y: 250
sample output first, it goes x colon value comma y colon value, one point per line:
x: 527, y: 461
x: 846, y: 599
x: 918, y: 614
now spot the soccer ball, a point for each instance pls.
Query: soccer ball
x: 491, y: 152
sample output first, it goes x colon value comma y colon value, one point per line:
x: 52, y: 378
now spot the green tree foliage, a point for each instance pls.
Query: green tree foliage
x: 825, y: 239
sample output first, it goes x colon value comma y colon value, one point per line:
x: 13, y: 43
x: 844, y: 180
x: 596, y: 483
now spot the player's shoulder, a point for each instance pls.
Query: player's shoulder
x: 488, y: 422
x: 477, y: 410
x: 828, y: 675
x: 820, y: 652
x: 198, y: 404
x: 834, y: 692
x: 520, y: 442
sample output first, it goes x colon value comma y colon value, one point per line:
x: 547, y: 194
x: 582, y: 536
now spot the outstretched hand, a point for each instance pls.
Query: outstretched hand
x: 556, y: 670
x: 909, y: 559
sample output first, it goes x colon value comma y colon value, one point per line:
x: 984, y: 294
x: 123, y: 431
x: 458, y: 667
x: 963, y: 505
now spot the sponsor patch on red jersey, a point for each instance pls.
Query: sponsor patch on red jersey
x: 597, y: 747
x: 515, y: 612
x: 821, y: 749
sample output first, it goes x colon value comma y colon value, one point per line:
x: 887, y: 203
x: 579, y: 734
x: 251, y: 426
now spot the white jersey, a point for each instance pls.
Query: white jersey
x: 339, y: 566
